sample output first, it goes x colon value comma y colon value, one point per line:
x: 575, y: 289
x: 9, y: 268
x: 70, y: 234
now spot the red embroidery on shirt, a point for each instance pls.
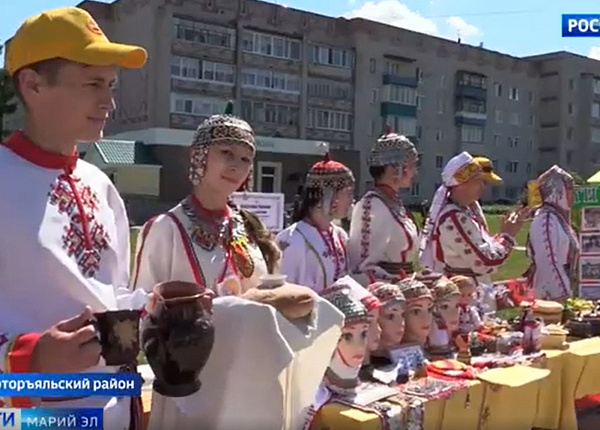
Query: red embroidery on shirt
x: 84, y: 237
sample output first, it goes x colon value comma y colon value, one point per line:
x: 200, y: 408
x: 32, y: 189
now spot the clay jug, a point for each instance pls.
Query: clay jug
x: 178, y: 336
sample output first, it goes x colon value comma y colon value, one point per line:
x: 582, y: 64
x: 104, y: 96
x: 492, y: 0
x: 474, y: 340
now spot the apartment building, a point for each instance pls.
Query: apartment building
x: 289, y: 73
x: 569, y: 111
x: 302, y: 79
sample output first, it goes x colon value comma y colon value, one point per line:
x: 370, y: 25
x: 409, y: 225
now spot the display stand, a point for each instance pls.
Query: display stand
x: 587, y: 199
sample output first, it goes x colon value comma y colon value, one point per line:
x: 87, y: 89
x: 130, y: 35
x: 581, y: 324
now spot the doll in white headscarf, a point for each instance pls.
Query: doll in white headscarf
x: 552, y: 244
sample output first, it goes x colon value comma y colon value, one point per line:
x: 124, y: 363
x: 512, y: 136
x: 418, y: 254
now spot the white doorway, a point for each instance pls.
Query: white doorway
x: 269, y: 177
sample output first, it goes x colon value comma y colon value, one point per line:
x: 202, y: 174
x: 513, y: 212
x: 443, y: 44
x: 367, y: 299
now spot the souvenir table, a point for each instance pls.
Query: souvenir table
x: 570, y: 374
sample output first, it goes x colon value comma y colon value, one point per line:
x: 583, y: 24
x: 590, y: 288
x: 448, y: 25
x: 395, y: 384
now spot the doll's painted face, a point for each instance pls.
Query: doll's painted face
x: 418, y: 318
x: 374, y: 335
x: 467, y: 294
x: 449, y: 311
x: 391, y: 320
x: 352, y: 346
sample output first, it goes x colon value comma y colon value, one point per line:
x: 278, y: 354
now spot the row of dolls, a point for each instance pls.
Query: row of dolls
x: 397, y: 327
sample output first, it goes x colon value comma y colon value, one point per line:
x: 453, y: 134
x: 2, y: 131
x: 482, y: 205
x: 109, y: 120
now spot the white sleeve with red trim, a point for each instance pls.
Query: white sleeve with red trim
x: 550, y: 245
x: 293, y: 257
x: 466, y: 245
x: 126, y: 299
x: 370, y: 236
x: 155, y: 247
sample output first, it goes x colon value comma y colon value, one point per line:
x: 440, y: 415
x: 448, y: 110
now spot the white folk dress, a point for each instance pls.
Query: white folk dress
x: 65, y: 245
x: 464, y: 247
x: 382, y: 233
x: 313, y: 258
x: 263, y: 370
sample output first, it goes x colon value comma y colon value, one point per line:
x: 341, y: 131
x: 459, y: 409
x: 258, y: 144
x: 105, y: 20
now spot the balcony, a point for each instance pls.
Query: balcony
x: 398, y: 109
x: 469, y: 118
x: 470, y: 91
x: 405, y: 81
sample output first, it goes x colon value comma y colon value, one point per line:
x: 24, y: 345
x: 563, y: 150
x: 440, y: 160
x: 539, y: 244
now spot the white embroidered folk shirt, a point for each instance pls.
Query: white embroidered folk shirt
x: 258, y: 354
x: 462, y: 246
x: 313, y: 258
x: 549, y: 247
x: 381, y: 231
x: 65, y: 245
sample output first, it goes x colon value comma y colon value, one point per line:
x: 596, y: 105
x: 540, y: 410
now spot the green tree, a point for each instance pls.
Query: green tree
x: 8, y: 104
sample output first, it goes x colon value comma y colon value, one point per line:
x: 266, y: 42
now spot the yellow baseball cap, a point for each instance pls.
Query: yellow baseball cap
x: 70, y: 33
x: 487, y: 169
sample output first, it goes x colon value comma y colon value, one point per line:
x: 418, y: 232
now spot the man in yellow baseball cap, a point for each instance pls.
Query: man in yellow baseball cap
x: 65, y: 247
x: 487, y: 168
x: 72, y: 34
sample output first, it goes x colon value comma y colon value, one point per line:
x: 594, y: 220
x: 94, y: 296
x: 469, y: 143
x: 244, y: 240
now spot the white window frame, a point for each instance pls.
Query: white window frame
x: 271, y: 45
x: 596, y: 85
x: 278, y: 166
x: 513, y: 94
x: 415, y: 189
x: 595, y: 110
x: 439, y: 157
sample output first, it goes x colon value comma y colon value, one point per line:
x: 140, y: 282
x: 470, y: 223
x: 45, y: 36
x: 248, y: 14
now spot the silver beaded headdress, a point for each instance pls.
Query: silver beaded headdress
x: 225, y: 129
x: 354, y: 311
x: 392, y: 149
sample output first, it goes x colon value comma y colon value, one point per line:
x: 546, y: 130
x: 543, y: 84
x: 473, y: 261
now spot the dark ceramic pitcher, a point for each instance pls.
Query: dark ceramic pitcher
x: 178, y: 336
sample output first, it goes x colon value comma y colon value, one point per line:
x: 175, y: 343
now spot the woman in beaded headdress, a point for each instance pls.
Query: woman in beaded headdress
x: 313, y: 248
x: 553, y: 245
x: 208, y: 241
x: 383, y: 241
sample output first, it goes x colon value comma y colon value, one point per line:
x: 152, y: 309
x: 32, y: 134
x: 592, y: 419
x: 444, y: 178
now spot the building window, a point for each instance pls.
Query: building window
x: 571, y: 84
x: 271, y: 46
x: 440, y: 105
x: 471, y: 134
x: 512, y: 166
x: 374, y: 94
x: 415, y: 190
x: 514, y: 118
x: 569, y: 133
x: 372, y: 65
x: 472, y: 80
x: 329, y: 120
x: 531, y: 120
x: 269, y: 177
x: 400, y: 94
x: 442, y: 81
x: 270, y: 113
x: 439, y: 135
x: 496, y: 139
x: 328, y: 56
x: 329, y: 89
x: 530, y: 96
x: 570, y: 109
x: 596, y: 85
x: 531, y: 144
x: 394, y: 67
x: 596, y: 110
x: 498, y: 116
x: 196, y: 105
x: 569, y: 156
x: 513, y: 142
x: 498, y: 89
x: 270, y: 80
x: 194, y: 69
x: 404, y: 125
x: 528, y: 168
x: 595, y: 134
x: 204, y: 33
x: 439, y: 161
x: 514, y: 94
x: 471, y: 105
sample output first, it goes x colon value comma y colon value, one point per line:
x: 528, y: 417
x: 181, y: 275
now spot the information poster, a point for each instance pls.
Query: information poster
x: 587, y: 198
x: 269, y: 207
